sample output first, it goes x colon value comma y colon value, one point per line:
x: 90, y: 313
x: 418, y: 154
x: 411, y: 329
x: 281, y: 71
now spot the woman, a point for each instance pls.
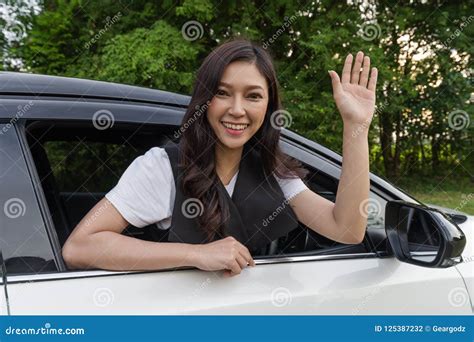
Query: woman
x: 229, y: 167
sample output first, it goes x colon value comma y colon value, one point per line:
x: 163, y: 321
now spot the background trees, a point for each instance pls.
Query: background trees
x: 422, y: 131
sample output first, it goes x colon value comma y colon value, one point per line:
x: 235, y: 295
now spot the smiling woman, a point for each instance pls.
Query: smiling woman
x: 239, y: 83
x: 227, y: 175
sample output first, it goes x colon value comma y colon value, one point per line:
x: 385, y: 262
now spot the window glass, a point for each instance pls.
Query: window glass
x: 23, y: 238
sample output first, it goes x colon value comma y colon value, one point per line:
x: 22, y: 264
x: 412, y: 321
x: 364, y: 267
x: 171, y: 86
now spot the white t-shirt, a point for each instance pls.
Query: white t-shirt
x: 145, y: 193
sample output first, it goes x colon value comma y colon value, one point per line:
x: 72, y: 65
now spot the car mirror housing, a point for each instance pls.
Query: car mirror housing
x: 422, y: 235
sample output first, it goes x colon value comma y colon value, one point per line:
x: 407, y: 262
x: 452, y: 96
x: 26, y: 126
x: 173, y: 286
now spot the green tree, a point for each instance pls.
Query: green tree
x: 421, y: 48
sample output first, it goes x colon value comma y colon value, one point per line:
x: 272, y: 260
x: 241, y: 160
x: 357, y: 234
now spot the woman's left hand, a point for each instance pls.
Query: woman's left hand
x: 355, y: 94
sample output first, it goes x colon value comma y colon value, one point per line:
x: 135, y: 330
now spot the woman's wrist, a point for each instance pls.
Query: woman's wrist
x: 355, y: 130
x: 193, y: 255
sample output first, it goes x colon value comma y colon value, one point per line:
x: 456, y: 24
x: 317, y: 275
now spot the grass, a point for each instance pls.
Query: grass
x: 455, y: 192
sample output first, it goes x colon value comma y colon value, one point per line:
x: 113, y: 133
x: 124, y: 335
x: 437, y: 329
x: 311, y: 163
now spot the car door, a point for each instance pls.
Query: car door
x: 329, y: 280
x: 25, y: 245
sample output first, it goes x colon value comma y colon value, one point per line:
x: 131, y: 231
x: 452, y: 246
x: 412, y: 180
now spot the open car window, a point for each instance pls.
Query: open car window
x: 77, y: 164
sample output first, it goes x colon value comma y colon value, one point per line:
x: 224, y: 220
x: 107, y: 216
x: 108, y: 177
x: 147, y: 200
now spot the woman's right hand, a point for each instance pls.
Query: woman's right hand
x: 226, y: 254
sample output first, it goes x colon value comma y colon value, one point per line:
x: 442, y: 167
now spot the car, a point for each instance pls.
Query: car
x: 64, y: 144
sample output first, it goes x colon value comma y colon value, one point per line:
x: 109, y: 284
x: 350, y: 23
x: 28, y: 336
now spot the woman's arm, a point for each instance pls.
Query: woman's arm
x: 96, y: 242
x: 345, y: 221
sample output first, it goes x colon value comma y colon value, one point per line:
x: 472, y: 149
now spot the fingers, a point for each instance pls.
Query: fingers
x: 241, y: 261
x: 364, y: 75
x: 247, y: 256
x: 354, y: 75
x: 346, y: 71
x: 373, y: 79
x: 356, y: 68
x: 236, y: 257
x: 234, y: 267
x: 336, y: 83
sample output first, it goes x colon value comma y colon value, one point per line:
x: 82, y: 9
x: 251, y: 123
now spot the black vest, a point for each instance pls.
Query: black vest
x: 258, y: 210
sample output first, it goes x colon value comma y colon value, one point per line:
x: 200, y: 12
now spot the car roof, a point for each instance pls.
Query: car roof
x: 19, y: 83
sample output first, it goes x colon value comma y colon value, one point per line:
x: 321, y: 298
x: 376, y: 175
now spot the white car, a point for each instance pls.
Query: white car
x: 65, y: 142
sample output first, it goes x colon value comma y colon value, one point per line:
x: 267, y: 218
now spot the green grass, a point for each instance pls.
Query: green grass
x: 451, y: 192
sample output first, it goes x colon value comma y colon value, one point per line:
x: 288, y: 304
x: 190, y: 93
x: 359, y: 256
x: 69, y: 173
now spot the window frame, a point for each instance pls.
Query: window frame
x: 33, y: 196
x: 40, y: 196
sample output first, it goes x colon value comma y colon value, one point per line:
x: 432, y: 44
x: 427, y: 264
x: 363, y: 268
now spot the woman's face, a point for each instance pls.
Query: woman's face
x: 238, y: 109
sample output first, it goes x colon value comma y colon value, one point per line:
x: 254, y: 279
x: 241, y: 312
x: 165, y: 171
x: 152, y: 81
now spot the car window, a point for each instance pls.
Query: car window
x: 323, y: 180
x: 78, y: 164
x: 24, y: 240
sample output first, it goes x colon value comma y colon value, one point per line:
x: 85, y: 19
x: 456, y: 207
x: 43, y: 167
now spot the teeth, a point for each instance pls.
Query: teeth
x: 235, y: 127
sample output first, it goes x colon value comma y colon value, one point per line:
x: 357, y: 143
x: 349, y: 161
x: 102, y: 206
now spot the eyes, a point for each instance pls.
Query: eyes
x: 254, y: 96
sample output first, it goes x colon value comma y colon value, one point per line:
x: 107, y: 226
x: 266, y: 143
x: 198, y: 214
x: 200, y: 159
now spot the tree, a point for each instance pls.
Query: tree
x: 421, y: 48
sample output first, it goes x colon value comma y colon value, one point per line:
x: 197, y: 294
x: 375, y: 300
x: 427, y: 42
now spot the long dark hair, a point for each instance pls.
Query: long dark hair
x: 198, y: 141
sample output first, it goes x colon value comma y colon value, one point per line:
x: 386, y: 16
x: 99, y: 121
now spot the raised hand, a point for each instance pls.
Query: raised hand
x: 355, y: 94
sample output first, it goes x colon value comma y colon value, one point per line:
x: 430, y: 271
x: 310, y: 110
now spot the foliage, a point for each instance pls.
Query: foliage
x: 421, y: 48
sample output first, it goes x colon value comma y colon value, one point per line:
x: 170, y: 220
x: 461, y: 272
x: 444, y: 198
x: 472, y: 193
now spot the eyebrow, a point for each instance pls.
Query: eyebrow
x: 253, y: 86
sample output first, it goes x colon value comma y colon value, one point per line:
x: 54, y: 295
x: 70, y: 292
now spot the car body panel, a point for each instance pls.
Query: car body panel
x: 354, y: 286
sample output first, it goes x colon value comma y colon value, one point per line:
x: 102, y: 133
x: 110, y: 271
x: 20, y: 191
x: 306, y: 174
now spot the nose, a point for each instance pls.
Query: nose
x: 237, y: 108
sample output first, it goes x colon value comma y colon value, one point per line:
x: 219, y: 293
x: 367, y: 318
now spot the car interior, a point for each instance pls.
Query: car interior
x: 78, y: 164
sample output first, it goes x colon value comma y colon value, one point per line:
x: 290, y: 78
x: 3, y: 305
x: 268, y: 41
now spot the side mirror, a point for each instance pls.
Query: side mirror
x: 423, y: 236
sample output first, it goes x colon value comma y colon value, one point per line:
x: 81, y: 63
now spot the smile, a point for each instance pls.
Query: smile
x: 234, y: 127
